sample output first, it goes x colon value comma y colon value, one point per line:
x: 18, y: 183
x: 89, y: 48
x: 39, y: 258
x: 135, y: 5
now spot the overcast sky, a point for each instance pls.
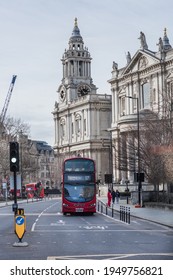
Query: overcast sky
x: 35, y: 33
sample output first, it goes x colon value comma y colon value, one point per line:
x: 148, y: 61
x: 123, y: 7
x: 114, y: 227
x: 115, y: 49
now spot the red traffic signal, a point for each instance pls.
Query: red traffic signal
x: 14, y: 156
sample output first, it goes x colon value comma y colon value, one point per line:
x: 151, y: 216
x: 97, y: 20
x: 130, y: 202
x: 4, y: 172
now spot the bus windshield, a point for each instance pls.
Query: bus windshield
x: 79, y: 193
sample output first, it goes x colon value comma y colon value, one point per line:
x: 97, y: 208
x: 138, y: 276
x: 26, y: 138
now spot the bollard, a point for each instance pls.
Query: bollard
x: 120, y: 213
x: 129, y: 215
x: 106, y: 210
x: 126, y: 213
x: 123, y: 213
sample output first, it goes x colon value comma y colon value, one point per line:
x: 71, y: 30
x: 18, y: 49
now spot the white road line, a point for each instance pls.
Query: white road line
x: 6, y: 214
x: 107, y: 256
x: 98, y: 230
x: 43, y: 214
x: 121, y: 256
x: 84, y: 220
x: 33, y: 226
x: 40, y: 214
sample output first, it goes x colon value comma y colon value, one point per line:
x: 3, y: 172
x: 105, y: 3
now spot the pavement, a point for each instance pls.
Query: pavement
x: 157, y: 215
x: 7, y: 203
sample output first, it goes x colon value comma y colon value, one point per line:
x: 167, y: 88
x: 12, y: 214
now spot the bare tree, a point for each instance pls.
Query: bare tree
x: 14, y: 127
x: 9, y: 132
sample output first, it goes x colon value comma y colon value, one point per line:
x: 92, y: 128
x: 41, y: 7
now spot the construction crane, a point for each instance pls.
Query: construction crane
x: 7, y: 100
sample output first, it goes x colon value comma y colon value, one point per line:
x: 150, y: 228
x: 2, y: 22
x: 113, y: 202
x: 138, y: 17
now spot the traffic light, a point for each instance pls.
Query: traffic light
x: 137, y: 177
x: 108, y: 178
x: 14, y: 156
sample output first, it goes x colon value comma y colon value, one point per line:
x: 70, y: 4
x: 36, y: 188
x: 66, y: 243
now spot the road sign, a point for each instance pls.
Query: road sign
x: 137, y: 177
x: 20, y: 226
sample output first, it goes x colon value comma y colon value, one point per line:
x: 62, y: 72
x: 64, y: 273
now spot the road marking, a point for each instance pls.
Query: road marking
x: 112, y: 218
x: 33, y: 226
x: 107, y: 256
x: 122, y: 256
x: 83, y: 219
x: 93, y: 227
x: 6, y: 214
x: 58, y: 223
x: 40, y: 214
x: 96, y: 230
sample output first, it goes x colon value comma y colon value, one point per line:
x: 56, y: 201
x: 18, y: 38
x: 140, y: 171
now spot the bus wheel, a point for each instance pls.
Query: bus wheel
x: 64, y: 213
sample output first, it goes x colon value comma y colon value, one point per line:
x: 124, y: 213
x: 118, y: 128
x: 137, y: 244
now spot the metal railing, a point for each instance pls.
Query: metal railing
x: 123, y: 213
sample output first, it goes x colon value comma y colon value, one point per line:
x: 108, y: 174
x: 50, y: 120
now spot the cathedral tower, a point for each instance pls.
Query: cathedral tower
x: 76, y: 63
x: 81, y: 116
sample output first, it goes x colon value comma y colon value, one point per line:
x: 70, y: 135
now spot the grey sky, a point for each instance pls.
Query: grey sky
x: 35, y: 33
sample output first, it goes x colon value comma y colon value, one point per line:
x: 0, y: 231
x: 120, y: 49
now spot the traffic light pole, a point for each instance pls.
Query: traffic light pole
x: 14, y: 167
x: 15, y: 206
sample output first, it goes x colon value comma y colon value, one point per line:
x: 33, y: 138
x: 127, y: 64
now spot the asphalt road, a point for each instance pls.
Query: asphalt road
x: 50, y: 235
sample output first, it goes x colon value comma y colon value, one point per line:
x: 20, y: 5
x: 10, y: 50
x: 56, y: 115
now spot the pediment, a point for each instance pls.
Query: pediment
x: 141, y: 60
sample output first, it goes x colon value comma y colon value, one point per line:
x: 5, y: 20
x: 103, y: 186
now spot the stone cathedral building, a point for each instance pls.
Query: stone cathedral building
x: 81, y: 116
x: 99, y: 126
x: 144, y: 84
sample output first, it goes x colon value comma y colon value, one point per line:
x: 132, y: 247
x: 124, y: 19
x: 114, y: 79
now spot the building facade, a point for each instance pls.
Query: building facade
x: 37, y: 162
x: 144, y: 85
x: 81, y: 116
x: 46, y: 163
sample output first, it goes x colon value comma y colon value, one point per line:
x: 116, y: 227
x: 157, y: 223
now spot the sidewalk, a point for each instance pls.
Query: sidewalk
x: 160, y: 216
x: 19, y: 201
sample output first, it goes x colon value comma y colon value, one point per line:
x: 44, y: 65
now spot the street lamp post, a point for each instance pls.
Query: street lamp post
x: 110, y: 156
x: 111, y: 159
x: 138, y: 147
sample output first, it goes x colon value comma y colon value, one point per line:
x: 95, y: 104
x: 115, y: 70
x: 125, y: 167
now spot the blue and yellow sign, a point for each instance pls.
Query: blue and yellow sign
x: 20, y: 226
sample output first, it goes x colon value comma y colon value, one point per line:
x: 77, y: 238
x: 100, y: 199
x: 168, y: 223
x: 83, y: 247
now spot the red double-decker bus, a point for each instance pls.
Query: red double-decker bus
x: 79, y: 186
